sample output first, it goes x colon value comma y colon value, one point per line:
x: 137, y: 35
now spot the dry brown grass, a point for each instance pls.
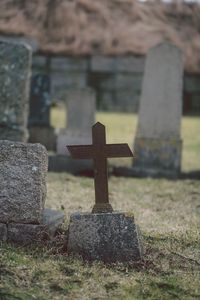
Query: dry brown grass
x: 114, y: 27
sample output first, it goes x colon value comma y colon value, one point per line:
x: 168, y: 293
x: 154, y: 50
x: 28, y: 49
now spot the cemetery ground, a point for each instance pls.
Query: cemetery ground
x: 167, y: 212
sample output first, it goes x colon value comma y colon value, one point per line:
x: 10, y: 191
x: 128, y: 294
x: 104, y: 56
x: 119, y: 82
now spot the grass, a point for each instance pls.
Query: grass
x: 121, y: 127
x: 168, y: 215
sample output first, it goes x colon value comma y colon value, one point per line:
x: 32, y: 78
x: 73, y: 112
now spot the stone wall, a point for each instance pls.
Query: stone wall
x: 116, y: 80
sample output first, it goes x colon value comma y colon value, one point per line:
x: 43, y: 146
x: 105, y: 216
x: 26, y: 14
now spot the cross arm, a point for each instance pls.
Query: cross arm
x: 118, y: 150
x: 81, y: 151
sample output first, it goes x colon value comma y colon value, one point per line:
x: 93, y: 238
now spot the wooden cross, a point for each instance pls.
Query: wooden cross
x: 99, y: 151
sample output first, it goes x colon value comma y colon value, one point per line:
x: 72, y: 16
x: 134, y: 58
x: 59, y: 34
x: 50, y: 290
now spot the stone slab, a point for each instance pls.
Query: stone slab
x: 64, y: 163
x: 15, y: 71
x: 3, y: 232
x: 107, y: 237
x: 161, y: 100
x: 30, y: 233
x: 157, y: 156
x: 23, y: 169
x: 43, y: 135
x: 81, y: 106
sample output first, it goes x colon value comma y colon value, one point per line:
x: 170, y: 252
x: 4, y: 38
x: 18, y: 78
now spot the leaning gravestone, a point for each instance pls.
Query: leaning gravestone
x: 80, y: 117
x: 23, y: 169
x: 15, y: 63
x: 103, y: 234
x: 39, y: 115
x: 158, y: 143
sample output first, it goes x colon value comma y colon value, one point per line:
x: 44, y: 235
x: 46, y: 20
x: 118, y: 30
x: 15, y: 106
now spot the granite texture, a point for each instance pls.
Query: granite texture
x: 109, y: 237
x: 30, y: 233
x: 15, y: 70
x: 23, y: 169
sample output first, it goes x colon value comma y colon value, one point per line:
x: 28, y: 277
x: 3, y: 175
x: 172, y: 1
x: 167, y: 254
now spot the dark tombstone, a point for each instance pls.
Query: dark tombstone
x: 40, y: 101
x: 39, y: 117
x: 103, y: 234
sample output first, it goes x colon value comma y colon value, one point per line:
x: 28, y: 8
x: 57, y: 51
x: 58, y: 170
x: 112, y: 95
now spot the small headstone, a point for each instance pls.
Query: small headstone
x: 102, y: 234
x: 158, y: 143
x: 15, y: 70
x: 81, y: 105
x: 23, y: 169
x: 39, y: 116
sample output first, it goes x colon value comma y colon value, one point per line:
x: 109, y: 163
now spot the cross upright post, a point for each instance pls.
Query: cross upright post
x: 99, y: 151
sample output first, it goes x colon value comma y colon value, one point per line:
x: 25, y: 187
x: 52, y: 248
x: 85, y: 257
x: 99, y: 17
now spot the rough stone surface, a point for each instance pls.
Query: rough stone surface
x: 158, y: 131
x: 109, y: 237
x: 15, y: 62
x: 80, y: 118
x: 3, y: 232
x: 23, y: 170
x: 30, y: 233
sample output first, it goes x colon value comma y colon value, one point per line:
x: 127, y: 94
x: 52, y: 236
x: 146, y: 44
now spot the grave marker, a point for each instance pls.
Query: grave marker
x: 103, y: 234
x: 15, y: 70
x: 158, y: 143
x: 99, y: 151
x: 39, y: 116
x: 80, y: 107
x: 40, y: 101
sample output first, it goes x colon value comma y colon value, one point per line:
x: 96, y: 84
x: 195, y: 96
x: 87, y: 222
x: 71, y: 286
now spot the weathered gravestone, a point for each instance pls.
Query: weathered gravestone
x: 80, y: 117
x: 23, y: 169
x: 103, y: 234
x: 39, y: 116
x: 15, y: 62
x: 158, y: 143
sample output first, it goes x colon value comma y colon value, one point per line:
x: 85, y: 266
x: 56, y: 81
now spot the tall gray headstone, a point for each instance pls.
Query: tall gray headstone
x: 15, y: 66
x: 158, y: 143
x: 81, y: 105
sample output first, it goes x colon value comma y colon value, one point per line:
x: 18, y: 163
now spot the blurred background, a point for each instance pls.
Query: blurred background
x: 103, y: 45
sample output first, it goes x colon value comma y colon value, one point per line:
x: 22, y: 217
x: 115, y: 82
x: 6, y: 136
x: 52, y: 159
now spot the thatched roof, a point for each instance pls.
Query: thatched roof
x: 110, y: 27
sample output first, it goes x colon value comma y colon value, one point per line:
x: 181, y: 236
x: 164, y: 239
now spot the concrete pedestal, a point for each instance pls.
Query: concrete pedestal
x: 107, y: 237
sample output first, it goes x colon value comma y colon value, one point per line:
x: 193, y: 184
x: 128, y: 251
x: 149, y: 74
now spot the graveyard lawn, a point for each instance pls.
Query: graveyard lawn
x: 167, y: 212
x: 168, y: 215
x: 121, y: 128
